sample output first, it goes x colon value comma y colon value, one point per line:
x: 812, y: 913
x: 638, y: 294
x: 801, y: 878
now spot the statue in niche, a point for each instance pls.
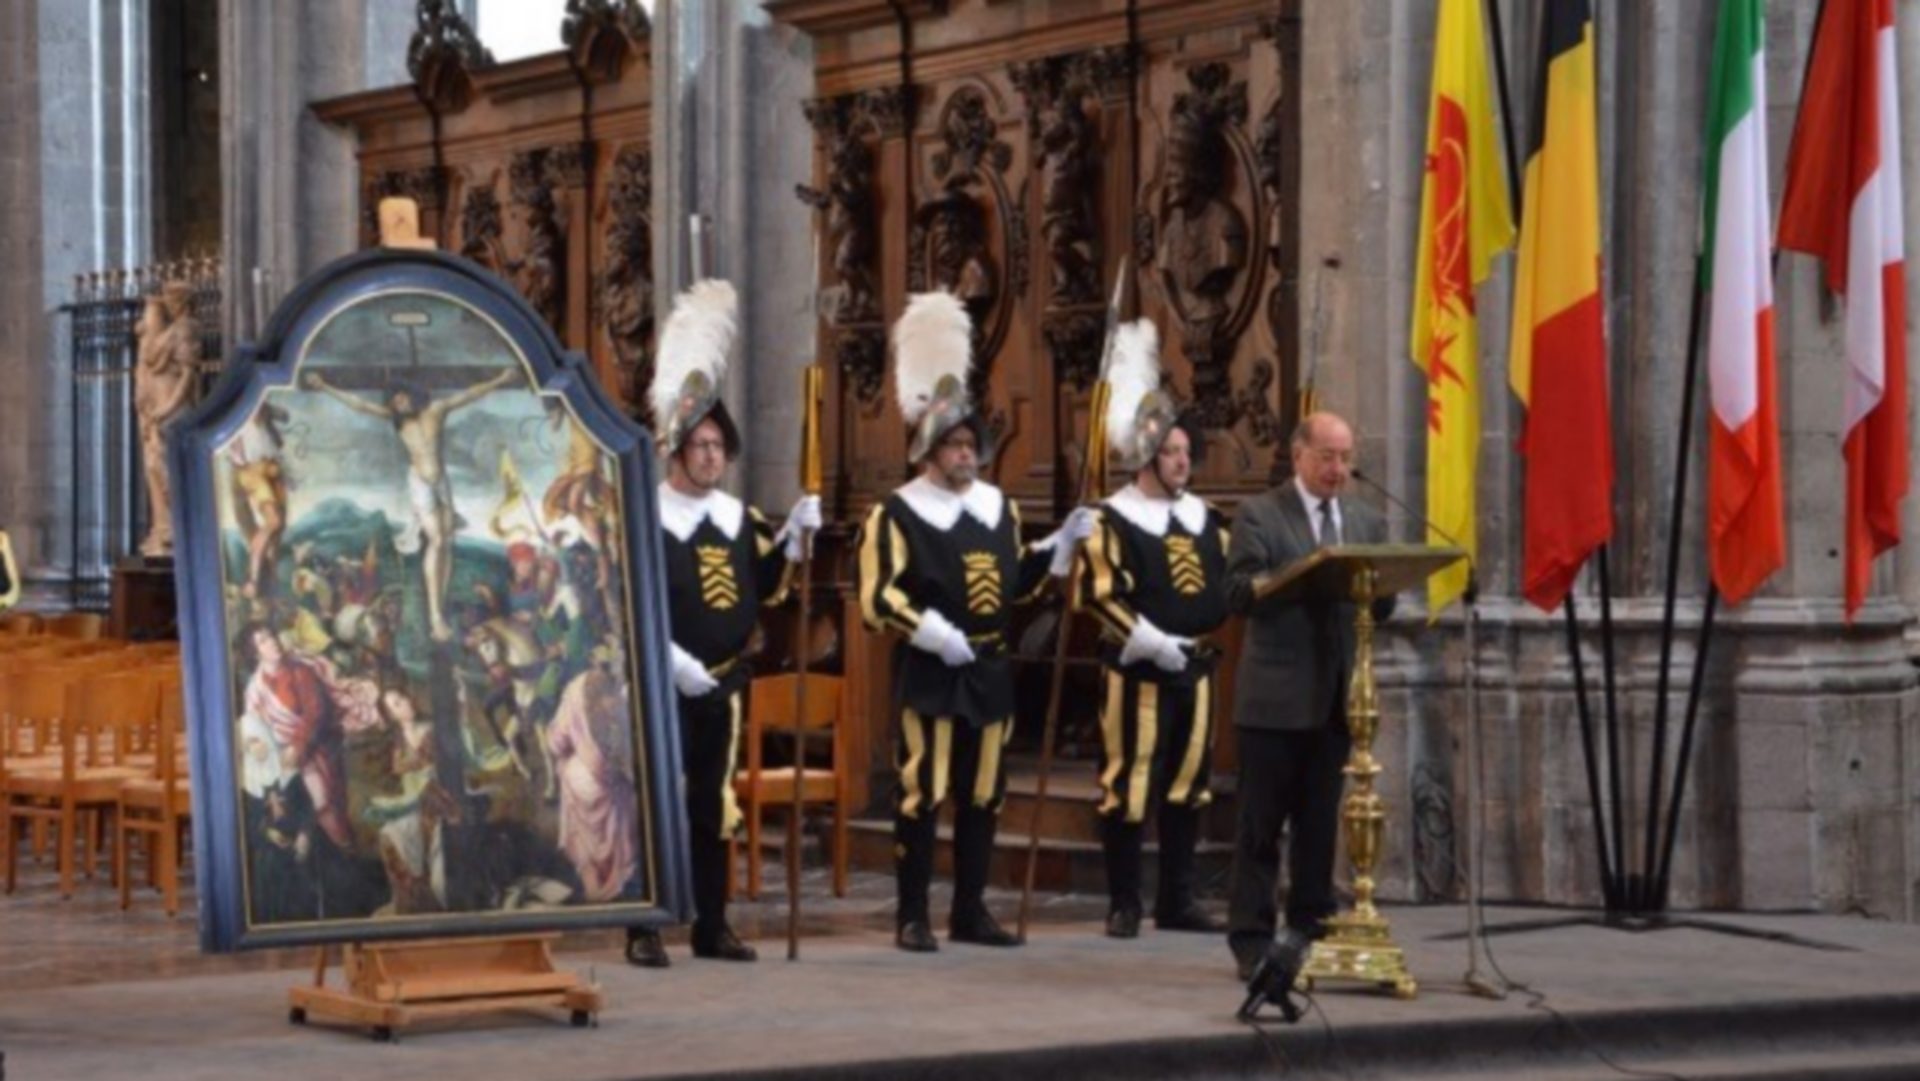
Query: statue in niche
x: 958, y: 261
x: 1203, y: 238
x: 956, y: 254
x: 163, y: 382
x: 848, y: 203
x: 1067, y: 200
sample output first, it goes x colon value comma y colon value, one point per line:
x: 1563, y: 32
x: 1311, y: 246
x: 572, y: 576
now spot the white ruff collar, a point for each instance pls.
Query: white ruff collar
x: 1153, y: 515
x: 940, y: 508
x: 680, y: 514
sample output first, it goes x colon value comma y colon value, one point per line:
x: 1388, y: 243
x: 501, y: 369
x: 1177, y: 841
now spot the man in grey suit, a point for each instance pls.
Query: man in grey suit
x: 1290, y: 694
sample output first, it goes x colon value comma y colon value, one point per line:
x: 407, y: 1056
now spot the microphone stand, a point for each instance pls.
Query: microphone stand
x: 1474, y: 981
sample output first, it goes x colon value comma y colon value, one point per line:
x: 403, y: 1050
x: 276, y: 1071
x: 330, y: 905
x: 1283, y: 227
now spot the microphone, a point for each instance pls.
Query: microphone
x: 1473, y: 570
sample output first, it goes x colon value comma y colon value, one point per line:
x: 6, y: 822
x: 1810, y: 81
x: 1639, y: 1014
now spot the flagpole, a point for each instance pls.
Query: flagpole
x: 1499, y: 35
x: 1686, y: 745
x: 1656, y: 886
x: 1609, y: 885
x: 1694, y: 689
x: 1609, y: 881
x: 810, y: 484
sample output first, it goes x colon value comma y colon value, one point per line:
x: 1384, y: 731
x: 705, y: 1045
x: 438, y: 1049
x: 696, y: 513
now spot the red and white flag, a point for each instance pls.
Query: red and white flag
x: 1843, y: 205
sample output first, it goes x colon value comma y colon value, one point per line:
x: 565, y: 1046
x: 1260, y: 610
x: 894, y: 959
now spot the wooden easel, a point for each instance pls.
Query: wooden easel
x: 390, y: 985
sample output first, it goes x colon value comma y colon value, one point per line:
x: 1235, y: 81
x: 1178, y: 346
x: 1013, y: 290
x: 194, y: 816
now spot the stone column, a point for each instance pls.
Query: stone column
x: 291, y: 193
x: 729, y: 142
x: 73, y: 198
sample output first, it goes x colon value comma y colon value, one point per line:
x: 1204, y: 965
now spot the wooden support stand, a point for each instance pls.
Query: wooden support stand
x: 391, y: 985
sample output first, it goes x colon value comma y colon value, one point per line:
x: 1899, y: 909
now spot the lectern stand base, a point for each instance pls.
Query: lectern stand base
x: 1359, y: 950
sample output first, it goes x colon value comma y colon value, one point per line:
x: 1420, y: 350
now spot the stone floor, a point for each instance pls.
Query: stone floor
x: 89, y: 991
x: 46, y: 942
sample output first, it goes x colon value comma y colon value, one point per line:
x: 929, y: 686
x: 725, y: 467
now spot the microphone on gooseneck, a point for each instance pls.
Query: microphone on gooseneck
x: 1472, y: 593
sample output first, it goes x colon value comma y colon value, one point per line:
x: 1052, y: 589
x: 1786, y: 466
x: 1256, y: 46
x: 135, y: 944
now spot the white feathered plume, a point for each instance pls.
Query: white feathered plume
x: 931, y: 339
x: 698, y: 336
x: 1134, y: 373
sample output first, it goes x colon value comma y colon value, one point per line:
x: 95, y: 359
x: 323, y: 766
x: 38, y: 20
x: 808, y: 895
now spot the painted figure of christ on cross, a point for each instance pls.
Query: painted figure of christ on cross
x: 421, y: 423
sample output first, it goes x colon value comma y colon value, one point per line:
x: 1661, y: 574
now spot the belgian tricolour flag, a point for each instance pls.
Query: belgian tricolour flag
x: 1559, y: 360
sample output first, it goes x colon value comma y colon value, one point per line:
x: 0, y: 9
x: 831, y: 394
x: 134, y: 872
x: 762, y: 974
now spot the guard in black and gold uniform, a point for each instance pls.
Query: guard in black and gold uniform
x: 942, y: 565
x: 723, y: 563
x: 9, y: 574
x: 1154, y: 575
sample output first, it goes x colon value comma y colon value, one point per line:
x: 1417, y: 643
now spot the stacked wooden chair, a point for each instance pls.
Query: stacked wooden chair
x: 92, y: 749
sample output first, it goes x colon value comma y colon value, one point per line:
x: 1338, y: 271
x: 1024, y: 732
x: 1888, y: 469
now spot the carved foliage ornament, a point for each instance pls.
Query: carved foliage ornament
x: 625, y: 290
x: 540, y: 269
x: 1066, y: 151
x: 1271, y: 149
x: 849, y: 126
x: 851, y: 228
x: 481, y: 227
x: 602, y: 35
x: 442, y: 53
x: 584, y: 17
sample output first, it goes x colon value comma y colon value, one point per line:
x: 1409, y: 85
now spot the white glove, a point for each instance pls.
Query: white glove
x: 942, y: 639
x: 1063, y: 541
x: 1148, y: 642
x: 803, y: 519
x: 690, y: 677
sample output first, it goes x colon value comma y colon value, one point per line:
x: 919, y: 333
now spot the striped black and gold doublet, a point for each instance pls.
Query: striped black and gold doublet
x: 1156, y: 727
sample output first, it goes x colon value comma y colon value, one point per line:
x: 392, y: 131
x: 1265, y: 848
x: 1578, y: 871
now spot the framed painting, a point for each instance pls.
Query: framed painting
x: 424, y: 625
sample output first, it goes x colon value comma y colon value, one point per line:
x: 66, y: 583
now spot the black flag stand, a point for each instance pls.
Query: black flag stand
x: 1636, y: 901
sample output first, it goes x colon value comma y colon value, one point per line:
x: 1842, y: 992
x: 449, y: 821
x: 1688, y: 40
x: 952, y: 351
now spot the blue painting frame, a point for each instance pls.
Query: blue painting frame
x: 211, y: 665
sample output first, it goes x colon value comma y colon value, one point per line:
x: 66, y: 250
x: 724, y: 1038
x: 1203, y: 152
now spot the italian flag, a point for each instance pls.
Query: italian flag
x: 1843, y: 205
x: 1746, y: 531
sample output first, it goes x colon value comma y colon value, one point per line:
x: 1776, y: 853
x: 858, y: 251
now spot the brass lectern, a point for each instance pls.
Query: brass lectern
x: 1359, y: 945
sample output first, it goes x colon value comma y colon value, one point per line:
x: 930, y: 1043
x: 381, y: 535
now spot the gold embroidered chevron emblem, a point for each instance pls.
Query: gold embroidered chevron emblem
x: 983, y: 583
x: 1183, y: 563
x: 717, y: 586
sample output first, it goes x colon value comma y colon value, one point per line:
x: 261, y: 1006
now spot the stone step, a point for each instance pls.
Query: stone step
x: 1062, y: 865
x: 1072, y: 813
x: 1863, y: 1038
x: 1831, y: 1063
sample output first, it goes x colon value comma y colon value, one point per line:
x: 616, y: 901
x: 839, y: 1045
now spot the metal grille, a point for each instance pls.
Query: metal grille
x: 109, y: 512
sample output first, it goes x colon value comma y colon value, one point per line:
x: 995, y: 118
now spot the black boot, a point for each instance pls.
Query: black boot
x: 720, y: 944
x: 1121, y: 841
x: 914, y: 936
x: 645, y: 949
x: 913, y: 874
x: 1175, y: 908
x: 973, y: 829
x: 710, y: 931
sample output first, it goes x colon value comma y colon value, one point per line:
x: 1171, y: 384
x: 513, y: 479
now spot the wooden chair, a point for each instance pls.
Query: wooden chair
x: 90, y: 709
x: 770, y: 709
x: 82, y: 625
x: 19, y: 624
x: 30, y: 733
x: 158, y: 806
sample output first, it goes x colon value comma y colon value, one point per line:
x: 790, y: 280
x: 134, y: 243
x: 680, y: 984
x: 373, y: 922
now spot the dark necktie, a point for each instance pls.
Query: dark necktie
x: 1329, y: 529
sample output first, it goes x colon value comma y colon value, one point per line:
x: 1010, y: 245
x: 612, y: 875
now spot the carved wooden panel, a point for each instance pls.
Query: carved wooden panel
x: 1013, y: 153
x: 494, y: 154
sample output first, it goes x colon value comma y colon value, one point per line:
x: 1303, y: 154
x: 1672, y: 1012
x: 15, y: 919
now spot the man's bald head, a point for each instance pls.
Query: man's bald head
x: 1323, y: 453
